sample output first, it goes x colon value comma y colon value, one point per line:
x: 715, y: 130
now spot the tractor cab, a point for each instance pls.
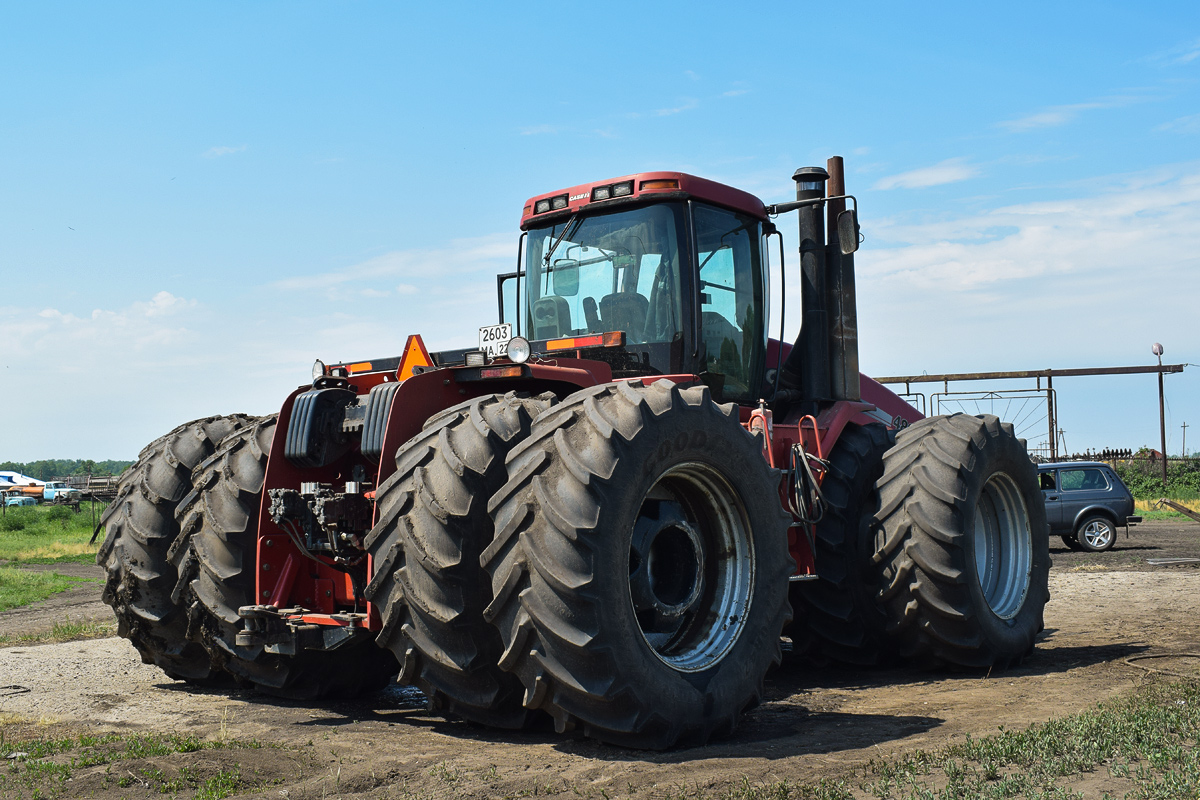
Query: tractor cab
x: 674, y: 262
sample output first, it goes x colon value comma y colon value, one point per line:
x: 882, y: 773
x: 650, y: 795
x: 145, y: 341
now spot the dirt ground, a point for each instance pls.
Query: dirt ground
x: 1104, y: 609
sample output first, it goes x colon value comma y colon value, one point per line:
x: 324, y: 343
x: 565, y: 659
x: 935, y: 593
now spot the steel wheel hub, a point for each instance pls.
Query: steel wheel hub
x: 691, y: 567
x: 1003, y: 546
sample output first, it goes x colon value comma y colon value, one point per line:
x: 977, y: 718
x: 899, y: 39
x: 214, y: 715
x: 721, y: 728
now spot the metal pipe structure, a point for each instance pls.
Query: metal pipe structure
x: 840, y: 296
x: 1162, y: 416
x: 1053, y: 442
x: 1030, y: 373
x: 807, y: 366
x: 1049, y: 375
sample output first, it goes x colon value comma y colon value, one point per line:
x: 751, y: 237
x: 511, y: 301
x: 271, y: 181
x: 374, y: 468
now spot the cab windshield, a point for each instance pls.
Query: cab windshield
x: 609, y: 272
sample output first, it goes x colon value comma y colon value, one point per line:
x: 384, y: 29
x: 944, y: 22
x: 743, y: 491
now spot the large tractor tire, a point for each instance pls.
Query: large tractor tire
x: 838, y: 616
x: 640, y: 565
x: 963, y: 543
x: 216, y: 560
x: 140, y: 529
x: 432, y: 525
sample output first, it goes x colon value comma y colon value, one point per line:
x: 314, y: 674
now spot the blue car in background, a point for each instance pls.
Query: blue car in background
x: 1085, y: 503
x: 19, y: 500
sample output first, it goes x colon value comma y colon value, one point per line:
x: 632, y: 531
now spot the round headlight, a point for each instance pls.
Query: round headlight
x: 518, y: 349
x: 318, y: 369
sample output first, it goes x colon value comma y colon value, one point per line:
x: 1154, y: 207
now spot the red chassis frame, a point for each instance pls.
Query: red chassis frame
x: 287, y: 579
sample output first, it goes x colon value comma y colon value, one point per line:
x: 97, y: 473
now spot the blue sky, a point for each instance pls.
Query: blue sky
x: 197, y: 200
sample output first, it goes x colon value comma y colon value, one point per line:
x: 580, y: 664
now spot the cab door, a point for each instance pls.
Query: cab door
x: 1052, y: 497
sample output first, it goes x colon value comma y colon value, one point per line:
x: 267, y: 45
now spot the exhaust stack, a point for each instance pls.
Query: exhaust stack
x: 823, y: 364
x: 841, y: 303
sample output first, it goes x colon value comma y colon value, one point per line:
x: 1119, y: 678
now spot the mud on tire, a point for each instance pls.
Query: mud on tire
x: 215, y: 555
x: 639, y: 567
x: 432, y: 525
x: 838, y: 615
x: 140, y: 529
x: 963, y: 543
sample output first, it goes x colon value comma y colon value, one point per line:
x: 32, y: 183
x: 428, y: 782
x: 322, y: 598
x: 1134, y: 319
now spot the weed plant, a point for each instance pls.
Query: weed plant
x: 65, y: 631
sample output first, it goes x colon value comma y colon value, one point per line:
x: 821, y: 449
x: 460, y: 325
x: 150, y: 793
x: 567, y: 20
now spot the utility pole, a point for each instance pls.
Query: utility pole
x: 1157, y: 349
x: 1184, y: 453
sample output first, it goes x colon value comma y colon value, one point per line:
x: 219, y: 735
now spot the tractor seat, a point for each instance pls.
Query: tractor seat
x: 625, y: 311
x: 551, y: 318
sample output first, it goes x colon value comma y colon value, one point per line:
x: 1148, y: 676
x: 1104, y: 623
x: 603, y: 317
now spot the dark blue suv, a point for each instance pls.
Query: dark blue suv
x: 1085, y: 503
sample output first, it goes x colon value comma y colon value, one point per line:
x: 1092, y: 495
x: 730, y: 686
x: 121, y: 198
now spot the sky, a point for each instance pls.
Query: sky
x: 198, y: 200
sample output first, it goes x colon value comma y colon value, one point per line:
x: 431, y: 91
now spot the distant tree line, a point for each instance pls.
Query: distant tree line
x: 63, y: 467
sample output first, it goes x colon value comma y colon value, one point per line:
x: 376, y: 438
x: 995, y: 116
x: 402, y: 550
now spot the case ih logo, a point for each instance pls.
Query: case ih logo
x: 579, y: 196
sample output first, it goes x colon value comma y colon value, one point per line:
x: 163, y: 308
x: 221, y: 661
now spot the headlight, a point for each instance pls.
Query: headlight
x: 318, y: 369
x: 518, y: 349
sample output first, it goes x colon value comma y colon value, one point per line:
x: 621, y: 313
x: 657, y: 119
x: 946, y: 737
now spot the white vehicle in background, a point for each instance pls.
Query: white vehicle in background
x: 60, y: 492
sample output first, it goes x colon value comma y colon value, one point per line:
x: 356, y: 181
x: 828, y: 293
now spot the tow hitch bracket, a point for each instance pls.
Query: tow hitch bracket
x: 285, y: 631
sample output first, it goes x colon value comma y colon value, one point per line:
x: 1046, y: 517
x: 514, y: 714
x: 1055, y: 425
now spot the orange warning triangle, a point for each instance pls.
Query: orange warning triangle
x: 415, y: 355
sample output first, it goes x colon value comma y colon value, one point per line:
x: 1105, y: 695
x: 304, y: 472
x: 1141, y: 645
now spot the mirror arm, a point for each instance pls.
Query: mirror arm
x: 783, y: 208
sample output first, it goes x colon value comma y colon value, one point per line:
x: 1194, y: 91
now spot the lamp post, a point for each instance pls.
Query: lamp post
x: 1157, y: 349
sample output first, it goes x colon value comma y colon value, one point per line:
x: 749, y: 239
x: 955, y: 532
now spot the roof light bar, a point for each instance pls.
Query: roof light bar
x: 660, y: 184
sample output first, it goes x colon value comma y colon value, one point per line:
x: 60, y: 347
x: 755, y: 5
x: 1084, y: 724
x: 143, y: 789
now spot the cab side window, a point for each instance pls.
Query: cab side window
x: 731, y: 298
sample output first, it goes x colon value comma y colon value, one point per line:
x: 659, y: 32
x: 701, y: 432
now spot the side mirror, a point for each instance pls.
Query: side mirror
x: 847, y: 225
x: 566, y: 277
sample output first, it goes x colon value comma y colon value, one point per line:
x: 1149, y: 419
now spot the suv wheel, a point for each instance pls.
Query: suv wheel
x: 1097, y: 534
x: 1070, y: 541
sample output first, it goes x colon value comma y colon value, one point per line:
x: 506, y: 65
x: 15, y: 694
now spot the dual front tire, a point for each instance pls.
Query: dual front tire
x: 627, y: 579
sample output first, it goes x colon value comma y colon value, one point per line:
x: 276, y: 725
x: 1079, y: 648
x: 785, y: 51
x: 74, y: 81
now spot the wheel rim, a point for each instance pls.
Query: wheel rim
x: 1098, y: 534
x: 1003, y: 546
x: 691, y: 567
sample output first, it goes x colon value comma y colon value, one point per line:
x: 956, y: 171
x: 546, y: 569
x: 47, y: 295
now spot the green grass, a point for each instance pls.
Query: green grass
x: 20, y: 587
x: 48, y: 534
x: 46, y: 765
x: 1140, y: 747
x: 65, y: 631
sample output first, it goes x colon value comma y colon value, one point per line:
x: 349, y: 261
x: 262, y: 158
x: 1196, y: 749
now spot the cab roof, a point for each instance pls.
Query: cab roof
x: 643, y: 185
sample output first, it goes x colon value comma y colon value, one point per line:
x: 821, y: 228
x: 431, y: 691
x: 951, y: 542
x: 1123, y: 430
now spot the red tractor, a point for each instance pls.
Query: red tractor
x: 612, y: 513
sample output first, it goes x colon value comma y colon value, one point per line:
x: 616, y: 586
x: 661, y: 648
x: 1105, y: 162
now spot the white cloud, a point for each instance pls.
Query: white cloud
x: 424, y: 267
x: 951, y: 170
x: 985, y: 287
x: 1056, y: 116
x: 687, y: 104
x: 1050, y: 118
x: 537, y: 130
x: 217, y: 152
x: 1178, y: 55
x: 1188, y: 124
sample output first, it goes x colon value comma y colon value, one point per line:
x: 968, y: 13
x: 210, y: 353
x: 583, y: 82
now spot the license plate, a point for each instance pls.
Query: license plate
x: 493, y: 339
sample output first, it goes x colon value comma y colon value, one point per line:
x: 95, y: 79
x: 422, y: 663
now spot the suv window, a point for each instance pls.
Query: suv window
x: 1047, y: 479
x: 1076, y: 480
